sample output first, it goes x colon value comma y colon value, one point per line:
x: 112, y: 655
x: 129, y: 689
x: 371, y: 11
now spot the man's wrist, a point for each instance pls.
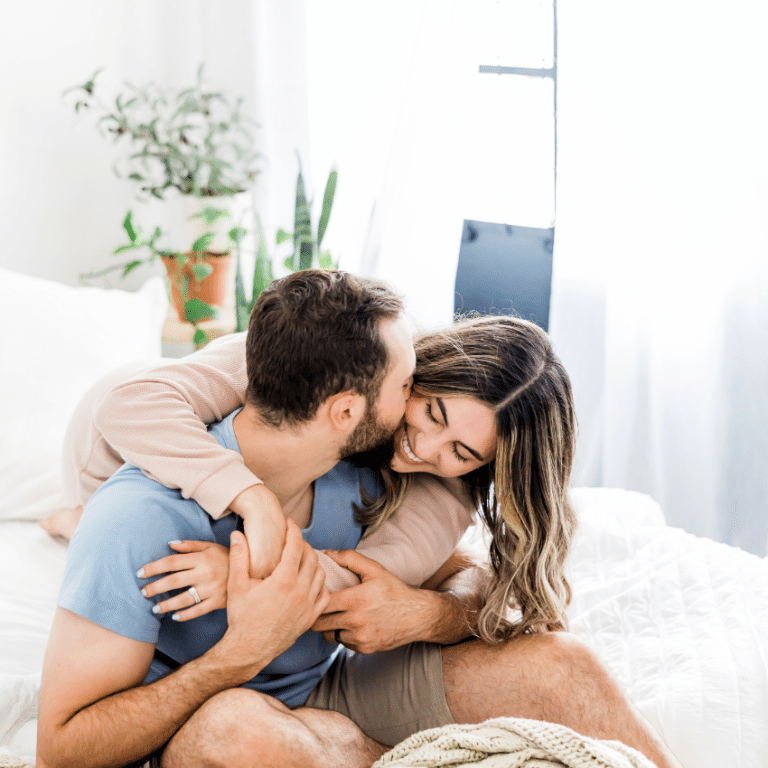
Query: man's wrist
x: 228, y: 664
x: 450, y: 618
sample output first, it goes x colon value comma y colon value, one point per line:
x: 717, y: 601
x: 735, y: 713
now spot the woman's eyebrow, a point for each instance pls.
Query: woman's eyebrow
x: 441, y: 406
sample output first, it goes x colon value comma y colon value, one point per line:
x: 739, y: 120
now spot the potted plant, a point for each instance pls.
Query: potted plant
x: 195, y: 143
x: 306, y: 247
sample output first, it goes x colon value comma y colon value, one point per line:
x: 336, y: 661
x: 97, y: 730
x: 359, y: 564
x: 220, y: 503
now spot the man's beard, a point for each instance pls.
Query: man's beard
x: 369, y: 435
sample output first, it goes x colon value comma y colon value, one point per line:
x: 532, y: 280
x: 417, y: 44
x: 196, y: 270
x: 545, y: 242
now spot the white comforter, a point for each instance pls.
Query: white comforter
x: 682, y: 622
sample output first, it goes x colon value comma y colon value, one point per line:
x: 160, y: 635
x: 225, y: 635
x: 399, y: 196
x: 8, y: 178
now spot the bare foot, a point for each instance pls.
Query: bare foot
x: 62, y: 524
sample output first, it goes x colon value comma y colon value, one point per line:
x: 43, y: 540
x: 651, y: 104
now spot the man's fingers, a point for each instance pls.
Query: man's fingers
x: 363, y: 566
x: 327, y: 622
x: 341, y: 601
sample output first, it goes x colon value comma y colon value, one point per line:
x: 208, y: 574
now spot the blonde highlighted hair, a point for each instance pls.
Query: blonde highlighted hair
x: 522, y: 496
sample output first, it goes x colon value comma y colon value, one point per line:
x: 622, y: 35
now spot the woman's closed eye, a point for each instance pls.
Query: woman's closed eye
x: 432, y: 418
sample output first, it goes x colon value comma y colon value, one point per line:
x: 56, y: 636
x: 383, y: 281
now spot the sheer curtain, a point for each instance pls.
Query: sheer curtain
x: 422, y: 139
x: 660, y: 296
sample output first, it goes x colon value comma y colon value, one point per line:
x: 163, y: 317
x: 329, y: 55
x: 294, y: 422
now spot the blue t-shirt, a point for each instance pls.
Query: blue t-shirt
x: 130, y: 520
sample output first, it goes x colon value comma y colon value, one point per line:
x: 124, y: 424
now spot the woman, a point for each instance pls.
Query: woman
x: 491, y: 415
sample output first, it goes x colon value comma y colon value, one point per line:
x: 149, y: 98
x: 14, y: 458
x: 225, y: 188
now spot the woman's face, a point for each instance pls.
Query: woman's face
x: 444, y: 436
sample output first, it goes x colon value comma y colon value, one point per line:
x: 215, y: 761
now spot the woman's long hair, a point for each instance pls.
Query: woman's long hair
x: 522, y: 495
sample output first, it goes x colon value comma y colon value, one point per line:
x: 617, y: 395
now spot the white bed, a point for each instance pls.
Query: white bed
x: 681, y: 621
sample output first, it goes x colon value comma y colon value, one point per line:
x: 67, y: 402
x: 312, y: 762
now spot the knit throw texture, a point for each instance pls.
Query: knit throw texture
x: 509, y: 742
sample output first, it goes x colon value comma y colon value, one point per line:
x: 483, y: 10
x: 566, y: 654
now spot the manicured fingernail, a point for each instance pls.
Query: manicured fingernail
x: 156, y: 609
x: 140, y: 573
x: 176, y: 617
x: 143, y: 591
x: 175, y: 541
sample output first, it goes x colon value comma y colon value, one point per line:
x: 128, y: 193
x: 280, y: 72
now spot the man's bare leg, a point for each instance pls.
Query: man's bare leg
x: 241, y: 728
x: 63, y: 523
x: 552, y: 677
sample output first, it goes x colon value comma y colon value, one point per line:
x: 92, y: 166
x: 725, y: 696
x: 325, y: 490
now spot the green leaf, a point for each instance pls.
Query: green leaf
x: 124, y: 248
x: 209, y: 214
x: 156, y: 235
x: 325, y: 261
x: 200, y: 337
x: 196, y: 310
x: 289, y: 264
x: 128, y: 227
x: 236, y: 234
x: 201, y: 271
x: 302, y: 226
x: 242, y: 305
x: 201, y: 244
x: 281, y: 236
x: 330, y: 191
x: 306, y: 252
x: 130, y: 267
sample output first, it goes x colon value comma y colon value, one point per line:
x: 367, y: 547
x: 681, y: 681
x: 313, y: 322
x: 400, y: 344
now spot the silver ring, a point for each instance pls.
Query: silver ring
x: 336, y: 637
x: 192, y: 591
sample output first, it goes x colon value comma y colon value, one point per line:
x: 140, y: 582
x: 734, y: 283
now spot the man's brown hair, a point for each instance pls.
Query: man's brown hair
x: 313, y: 334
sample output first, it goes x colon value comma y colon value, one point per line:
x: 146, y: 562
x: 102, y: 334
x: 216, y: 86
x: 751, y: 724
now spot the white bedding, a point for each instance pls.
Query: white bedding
x: 681, y: 621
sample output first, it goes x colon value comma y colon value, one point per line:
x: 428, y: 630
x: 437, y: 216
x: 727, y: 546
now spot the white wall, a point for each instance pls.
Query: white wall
x: 61, y: 207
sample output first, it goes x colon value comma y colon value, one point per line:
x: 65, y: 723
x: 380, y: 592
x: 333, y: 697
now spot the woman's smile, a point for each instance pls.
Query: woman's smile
x: 444, y: 436
x: 407, y: 448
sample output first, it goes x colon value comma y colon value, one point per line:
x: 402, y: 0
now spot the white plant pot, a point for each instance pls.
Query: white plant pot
x: 240, y: 208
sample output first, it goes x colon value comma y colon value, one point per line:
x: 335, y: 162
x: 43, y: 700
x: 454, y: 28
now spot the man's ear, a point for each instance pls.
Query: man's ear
x: 345, y: 410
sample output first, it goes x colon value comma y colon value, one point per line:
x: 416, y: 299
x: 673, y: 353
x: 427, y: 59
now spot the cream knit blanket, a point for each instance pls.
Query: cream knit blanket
x: 11, y: 762
x: 509, y: 742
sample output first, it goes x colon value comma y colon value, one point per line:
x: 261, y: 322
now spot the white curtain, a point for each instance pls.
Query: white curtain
x: 422, y: 139
x: 660, y: 303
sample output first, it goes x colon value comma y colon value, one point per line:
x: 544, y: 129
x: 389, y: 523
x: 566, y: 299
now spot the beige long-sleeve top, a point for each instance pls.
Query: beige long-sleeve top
x: 154, y: 416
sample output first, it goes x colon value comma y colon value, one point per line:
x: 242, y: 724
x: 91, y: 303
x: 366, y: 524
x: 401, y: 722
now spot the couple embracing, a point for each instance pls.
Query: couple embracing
x: 301, y: 492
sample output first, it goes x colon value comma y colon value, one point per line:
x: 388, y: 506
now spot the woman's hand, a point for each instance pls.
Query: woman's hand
x: 203, y: 565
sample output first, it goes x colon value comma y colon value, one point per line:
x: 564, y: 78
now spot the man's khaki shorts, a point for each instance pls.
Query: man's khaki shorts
x: 389, y: 695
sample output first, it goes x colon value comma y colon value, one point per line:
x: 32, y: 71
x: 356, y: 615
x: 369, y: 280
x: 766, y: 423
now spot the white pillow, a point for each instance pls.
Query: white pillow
x: 55, y: 342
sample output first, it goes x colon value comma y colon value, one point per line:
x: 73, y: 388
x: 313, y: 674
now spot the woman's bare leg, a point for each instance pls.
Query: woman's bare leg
x: 63, y: 523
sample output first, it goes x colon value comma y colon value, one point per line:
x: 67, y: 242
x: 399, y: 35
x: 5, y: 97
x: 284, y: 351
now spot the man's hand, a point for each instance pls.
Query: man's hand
x: 267, y: 616
x: 383, y: 612
x: 379, y: 614
x: 92, y: 692
x: 264, y: 524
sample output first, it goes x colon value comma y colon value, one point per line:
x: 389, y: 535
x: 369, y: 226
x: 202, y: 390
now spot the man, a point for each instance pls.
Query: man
x: 108, y: 697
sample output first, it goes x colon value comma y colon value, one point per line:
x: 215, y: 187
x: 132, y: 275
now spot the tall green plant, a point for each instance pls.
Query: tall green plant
x: 306, y: 245
x: 306, y: 248
x: 262, y: 277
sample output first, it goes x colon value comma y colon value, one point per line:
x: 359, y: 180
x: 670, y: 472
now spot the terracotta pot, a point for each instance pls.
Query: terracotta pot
x: 212, y: 290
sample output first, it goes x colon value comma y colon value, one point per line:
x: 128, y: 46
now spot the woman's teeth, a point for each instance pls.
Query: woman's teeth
x: 408, y: 452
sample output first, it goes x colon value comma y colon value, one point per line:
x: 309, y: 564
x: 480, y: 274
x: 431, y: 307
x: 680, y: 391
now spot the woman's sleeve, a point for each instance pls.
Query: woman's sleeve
x: 417, y: 539
x: 157, y: 421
